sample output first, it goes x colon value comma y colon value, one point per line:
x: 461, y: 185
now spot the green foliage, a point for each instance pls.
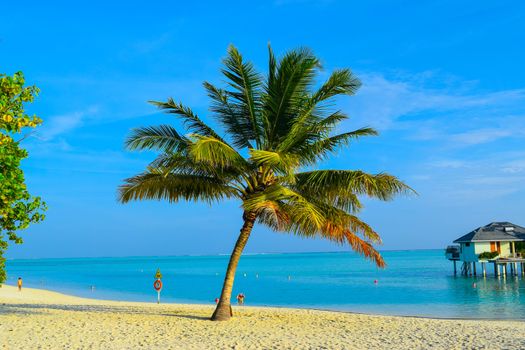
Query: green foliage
x: 488, y: 255
x: 273, y: 126
x: 520, y: 247
x: 18, y: 209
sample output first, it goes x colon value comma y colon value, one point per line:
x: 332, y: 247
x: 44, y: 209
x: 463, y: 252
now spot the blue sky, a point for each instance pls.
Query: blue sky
x: 442, y: 81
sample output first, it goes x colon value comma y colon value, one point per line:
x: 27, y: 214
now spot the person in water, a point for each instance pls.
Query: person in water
x: 240, y: 298
x: 19, y: 284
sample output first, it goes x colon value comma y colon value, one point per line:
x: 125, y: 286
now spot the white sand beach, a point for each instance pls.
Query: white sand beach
x: 39, y: 319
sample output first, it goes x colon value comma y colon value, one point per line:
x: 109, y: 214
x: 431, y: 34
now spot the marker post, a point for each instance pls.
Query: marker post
x: 157, y: 285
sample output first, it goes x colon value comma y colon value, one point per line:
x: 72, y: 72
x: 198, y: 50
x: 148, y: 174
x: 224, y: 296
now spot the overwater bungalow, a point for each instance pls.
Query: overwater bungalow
x: 498, y: 243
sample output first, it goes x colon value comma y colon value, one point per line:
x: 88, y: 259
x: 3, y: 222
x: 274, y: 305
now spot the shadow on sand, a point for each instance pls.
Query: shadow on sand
x: 28, y: 309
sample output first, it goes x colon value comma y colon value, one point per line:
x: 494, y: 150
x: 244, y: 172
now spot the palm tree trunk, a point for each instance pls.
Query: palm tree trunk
x: 223, y: 312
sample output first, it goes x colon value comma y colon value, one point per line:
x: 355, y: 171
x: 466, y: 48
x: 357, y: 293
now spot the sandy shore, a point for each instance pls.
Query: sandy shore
x: 38, y: 319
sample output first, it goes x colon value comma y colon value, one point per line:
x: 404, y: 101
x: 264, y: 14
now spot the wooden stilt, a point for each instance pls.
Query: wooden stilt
x: 474, y: 267
x: 505, y: 270
x: 455, y: 268
x: 496, y: 269
x: 515, y: 269
x: 484, y: 269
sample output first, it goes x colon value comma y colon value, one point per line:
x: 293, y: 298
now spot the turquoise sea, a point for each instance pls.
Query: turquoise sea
x: 419, y: 282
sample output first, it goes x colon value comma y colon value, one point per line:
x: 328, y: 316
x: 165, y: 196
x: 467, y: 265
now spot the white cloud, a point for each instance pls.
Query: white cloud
x: 494, y: 180
x: 387, y: 103
x: 61, y: 124
x: 125, y: 97
x: 474, y: 137
x: 493, y: 175
x: 421, y: 177
x: 449, y: 163
x: 471, y: 195
x: 514, y: 167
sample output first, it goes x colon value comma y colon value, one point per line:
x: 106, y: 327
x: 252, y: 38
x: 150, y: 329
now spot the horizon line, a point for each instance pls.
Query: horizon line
x: 219, y: 254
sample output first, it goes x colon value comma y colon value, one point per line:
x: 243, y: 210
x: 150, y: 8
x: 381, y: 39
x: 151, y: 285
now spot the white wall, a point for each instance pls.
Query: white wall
x: 482, y: 247
x: 470, y: 254
x: 505, y: 249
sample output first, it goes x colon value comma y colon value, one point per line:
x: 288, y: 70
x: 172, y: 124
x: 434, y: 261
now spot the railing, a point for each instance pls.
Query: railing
x: 452, y: 252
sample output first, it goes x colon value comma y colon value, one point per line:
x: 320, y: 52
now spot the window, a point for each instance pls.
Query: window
x: 467, y: 244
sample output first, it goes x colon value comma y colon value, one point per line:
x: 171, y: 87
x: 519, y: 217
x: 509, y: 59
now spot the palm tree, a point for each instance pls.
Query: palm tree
x: 276, y: 128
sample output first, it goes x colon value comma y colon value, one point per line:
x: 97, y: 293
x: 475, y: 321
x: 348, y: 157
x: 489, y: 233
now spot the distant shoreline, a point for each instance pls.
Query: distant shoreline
x: 218, y: 254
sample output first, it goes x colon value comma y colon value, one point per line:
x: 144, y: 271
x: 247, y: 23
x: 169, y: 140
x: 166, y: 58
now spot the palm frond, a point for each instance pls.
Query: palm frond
x: 307, y: 131
x: 270, y: 213
x: 340, y: 82
x: 159, y: 185
x: 320, y: 149
x: 342, y: 228
x: 163, y: 138
x: 284, y: 214
x: 183, y: 163
x: 328, y: 123
x: 365, y: 249
x: 191, y: 121
x: 287, y: 90
x: 246, y: 83
x: 339, y: 221
x: 270, y: 84
x: 304, y: 212
x: 231, y: 117
x: 352, y: 182
x: 215, y: 152
x: 281, y: 163
x: 343, y: 200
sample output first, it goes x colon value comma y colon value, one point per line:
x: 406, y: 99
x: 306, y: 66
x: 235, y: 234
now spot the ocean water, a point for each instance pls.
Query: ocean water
x: 419, y: 283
